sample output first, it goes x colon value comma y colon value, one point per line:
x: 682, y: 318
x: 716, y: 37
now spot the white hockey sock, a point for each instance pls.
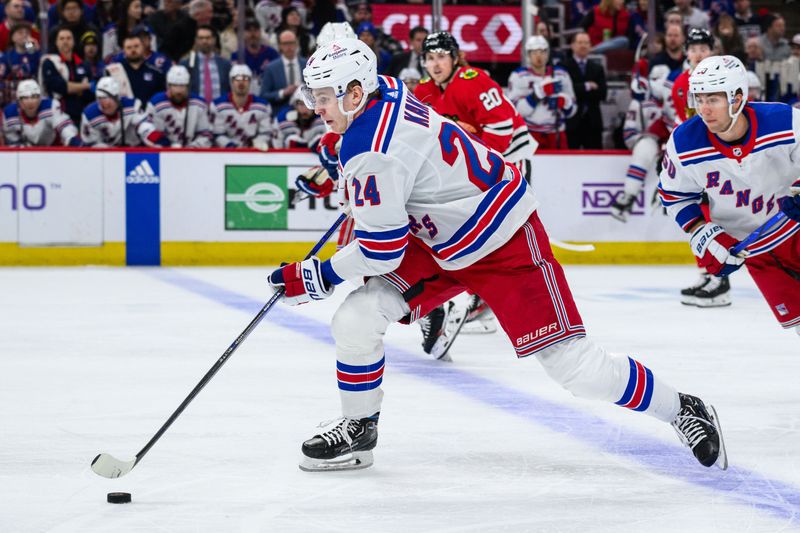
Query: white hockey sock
x: 588, y: 371
x: 643, y: 159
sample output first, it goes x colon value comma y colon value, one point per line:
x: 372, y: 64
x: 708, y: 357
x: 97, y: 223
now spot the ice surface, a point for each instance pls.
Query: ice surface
x: 95, y: 359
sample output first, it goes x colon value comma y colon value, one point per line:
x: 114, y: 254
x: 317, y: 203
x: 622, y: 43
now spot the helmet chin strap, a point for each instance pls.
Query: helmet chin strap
x: 734, y: 116
x: 350, y: 115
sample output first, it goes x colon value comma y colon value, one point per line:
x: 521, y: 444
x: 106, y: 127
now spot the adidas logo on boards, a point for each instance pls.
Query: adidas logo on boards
x: 142, y: 173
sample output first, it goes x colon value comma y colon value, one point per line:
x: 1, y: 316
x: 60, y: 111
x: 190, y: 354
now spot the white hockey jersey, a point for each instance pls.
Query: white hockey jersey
x: 645, y: 117
x: 743, y: 182
x: 411, y: 173
x: 192, y: 131
x: 101, y: 130
x: 528, y: 96
x: 49, y: 125
x: 246, y: 127
x: 297, y: 132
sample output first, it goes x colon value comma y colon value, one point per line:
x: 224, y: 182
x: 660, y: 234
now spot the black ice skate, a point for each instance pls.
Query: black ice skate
x: 347, y: 446
x: 440, y: 328
x: 687, y: 294
x: 715, y: 293
x: 480, y: 318
x: 699, y: 429
x: 620, y: 208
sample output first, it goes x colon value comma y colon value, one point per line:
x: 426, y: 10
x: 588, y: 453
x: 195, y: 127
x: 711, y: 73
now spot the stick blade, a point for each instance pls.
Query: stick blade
x: 107, y: 466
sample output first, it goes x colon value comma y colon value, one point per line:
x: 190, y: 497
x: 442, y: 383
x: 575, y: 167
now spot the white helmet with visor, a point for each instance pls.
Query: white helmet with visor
x: 720, y: 74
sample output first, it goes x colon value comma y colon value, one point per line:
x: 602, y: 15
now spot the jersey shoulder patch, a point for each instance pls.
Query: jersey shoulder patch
x: 469, y: 74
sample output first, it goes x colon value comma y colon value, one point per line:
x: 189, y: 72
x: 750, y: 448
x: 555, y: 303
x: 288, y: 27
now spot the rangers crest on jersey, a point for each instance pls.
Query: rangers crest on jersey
x: 469, y: 74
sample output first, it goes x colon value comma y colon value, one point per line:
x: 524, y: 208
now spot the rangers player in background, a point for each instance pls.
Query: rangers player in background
x: 746, y: 158
x: 239, y: 119
x: 182, y: 117
x: 298, y: 126
x: 543, y: 95
x: 437, y: 212
x: 36, y: 121
x: 114, y: 120
x: 645, y: 131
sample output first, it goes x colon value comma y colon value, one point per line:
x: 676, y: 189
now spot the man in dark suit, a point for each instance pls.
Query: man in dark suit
x: 209, y: 72
x: 585, y: 129
x: 413, y: 57
x: 283, y: 76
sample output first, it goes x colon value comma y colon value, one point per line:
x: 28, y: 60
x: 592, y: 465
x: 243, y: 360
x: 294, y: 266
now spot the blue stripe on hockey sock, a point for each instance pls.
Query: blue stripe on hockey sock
x: 360, y: 369
x: 747, y: 487
x: 648, y: 391
x: 628, y: 394
x: 360, y: 387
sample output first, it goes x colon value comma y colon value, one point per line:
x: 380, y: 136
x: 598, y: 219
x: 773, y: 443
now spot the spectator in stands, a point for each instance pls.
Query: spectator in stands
x: 298, y: 126
x: 70, y: 15
x: 239, y: 119
x: 673, y: 54
x: 673, y: 16
x: 638, y: 23
x: 368, y: 34
x: 128, y: 17
x: 257, y: 55
x: 795, y: 45
x: 104, y: 14
x: 282, y: 77
x: 36, y: 121
x: 135, y: 76
x: 202, y: 12
x: 65, y: 76
x: 153, y: 58
x: 209, y: 72
x: 754, y: 52
x: 749, y: 23
x: 579, y: 9
x: 362, y: 12
x: 15, y: 14
x: 585, y: 129
x: 22, y: 57
x: 546, y: 30
x: 174, y: 29
x: 291, y: 20
x: 413, y: 57
x: 692, y: 16
x: 229, y: 36
x: 410, y: 78
x: 90, y: 52
x: 607, y: 25
x: 323, y: 12
x: 775, y: 47
x: 116, y: 120
x: 730, y: 39
x: 181, y: 116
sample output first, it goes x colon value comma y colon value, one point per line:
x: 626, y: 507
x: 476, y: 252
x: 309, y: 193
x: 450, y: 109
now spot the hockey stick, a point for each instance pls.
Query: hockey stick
x: 572, y: 247
x: 107, y: 466
x: 776, y: 219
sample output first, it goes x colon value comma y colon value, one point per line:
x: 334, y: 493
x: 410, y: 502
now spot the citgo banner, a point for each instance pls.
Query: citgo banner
x: 484, y: 33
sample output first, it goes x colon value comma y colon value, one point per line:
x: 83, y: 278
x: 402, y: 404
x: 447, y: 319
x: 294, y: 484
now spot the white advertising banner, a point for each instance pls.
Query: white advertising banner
x: 61, y: 198
x: 10, y: 197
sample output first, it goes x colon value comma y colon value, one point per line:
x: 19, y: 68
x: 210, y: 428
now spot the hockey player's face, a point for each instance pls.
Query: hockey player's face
x: 177, y: 93
x: 107, y: 105
x: 439, y: 65
x: 538, y: 58
x: 241, y: 86
x: 713, y: 109
x: 327, y: 107
x: 30, y: 105
x: 698, y: 52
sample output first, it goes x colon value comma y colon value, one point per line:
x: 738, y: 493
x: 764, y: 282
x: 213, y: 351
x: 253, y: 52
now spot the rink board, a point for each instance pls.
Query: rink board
x: 215, y: 207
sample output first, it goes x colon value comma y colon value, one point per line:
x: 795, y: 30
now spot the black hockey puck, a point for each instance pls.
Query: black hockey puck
x: 119, y: 497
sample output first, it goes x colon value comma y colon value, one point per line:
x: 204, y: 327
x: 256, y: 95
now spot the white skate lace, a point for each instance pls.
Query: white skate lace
x: 700, y: 283
x: 690, y: 429
x: 341, y: 432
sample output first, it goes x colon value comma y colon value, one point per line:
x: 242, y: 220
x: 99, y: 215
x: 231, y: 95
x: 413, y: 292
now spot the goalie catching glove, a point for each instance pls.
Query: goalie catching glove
x: 316, y: 181
x: 712, y: 245
x: 303, y: 282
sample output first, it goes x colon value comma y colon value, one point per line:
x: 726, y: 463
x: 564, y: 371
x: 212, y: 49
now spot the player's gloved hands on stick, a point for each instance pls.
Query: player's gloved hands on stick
x: 303, y: 282
x: 790, y: 205
x: 316, y: 182
x: 556, y: 102
x: 712, y: 245
x: 328, y: 153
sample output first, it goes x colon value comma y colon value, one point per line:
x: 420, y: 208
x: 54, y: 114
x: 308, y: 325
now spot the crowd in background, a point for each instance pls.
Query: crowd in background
x: 173, y: 63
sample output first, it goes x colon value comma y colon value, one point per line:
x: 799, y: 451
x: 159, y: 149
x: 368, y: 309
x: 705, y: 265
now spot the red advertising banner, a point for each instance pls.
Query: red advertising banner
x: 484, y: 33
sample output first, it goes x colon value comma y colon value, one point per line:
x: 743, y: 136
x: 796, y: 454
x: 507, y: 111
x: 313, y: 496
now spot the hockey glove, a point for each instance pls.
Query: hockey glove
x: 75, y: 142
x: 549, y: 87
x: 712, y: 246
x: 303, y: 282
x: 156, y: 138
x: 316, y: 182
x: 556, y: 102
x: 790, y: 205
x: 328, y: 150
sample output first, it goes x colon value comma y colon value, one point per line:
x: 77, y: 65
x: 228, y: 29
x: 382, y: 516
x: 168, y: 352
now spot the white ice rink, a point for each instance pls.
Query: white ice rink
x: 95, y: 359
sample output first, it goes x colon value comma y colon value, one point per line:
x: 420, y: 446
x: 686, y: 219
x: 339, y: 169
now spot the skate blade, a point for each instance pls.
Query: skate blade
x: 455, y: 323
x: 477, y: 327
x: 689, y: 300
x: 722, y: 460
x: 723, y: 300
x: 351, y: 461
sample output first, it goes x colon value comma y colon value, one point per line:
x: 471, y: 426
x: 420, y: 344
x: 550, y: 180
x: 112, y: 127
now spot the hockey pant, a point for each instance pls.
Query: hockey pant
x: 777, y: 275
x: 643, y: 159
x: 527, y: 290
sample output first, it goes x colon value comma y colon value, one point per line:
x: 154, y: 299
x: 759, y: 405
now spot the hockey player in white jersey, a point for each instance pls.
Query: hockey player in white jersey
x: 36, y: 121
x: 182, y: 117
x: 104, y: 121
x: 298, y: 126
x: 239, y: 119
x: 543, y: 95
x: 746, y: 158
x: 437, y: 212
x: 645, y: 131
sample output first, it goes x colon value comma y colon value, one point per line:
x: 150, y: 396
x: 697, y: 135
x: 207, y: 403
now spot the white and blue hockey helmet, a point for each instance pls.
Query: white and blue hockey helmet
x: 536, y: 42
x: 336, y: 65
x: 28, y: 89
x: 719, y: 74
x: 240, y: 71
x: 107, y: 87
x: 335, y: 31
x: 177, y: 75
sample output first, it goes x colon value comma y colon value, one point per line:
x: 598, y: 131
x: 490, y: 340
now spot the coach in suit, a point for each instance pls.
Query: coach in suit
x: 585, y: 129
x: 208, y: 71
x: 283, y: 76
